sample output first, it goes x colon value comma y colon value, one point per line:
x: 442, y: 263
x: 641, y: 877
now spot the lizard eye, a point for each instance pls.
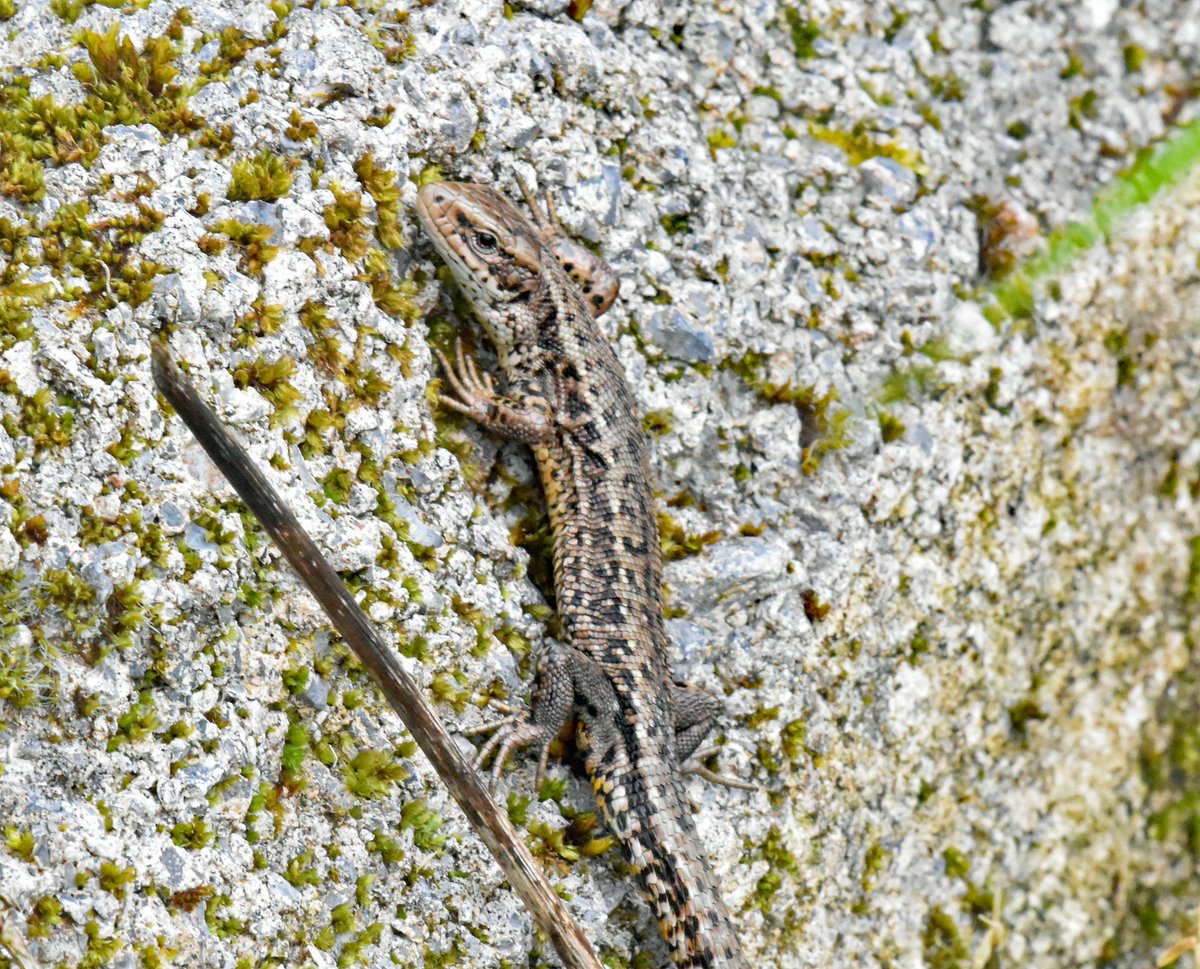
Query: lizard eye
x: 485, y: 241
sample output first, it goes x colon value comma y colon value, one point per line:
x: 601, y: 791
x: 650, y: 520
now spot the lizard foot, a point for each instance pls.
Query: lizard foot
x: 475, y: 391
x: 509, y: 734
x: 528, y: 419
x: 694, y: 765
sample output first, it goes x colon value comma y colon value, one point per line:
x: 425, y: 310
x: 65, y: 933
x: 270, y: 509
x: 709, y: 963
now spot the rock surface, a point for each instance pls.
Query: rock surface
x: 942, y: 562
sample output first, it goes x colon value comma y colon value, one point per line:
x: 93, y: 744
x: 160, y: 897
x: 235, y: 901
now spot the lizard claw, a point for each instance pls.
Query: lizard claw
x: 509, y: 734
x: 694, y: 765
x: 474, y: 390
x: 540, y: 219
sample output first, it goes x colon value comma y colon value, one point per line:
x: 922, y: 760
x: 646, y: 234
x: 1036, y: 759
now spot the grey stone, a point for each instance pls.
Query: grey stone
x: 678, y: 337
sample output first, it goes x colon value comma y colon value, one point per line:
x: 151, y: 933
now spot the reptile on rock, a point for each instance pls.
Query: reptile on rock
x: 538, y: 294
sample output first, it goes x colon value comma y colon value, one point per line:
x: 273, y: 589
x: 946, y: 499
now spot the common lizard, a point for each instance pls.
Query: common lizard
x: 538, y: 294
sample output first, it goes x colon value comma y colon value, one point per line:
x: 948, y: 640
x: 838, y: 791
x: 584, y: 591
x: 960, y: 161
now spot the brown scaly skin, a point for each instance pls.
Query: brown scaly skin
x: 537, y: 293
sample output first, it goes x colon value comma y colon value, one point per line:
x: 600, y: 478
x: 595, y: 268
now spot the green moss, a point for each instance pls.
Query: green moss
x: 873, y: 863
x: 19, y: 842
x: 25, y: 677
x: 860, y: 143
x: 299, y: 871
x: 192, y: 835
x: 114, y: 879
x: 676, y: 225
x: 381, y: 185
x: 781, y: 864
x: 46, y: 916
x: 424, y: 824
x: 127, y: 86
x: 1191, y: 594
x: 271, y: 379
x: 232, y: 50
x: 890, y: 428
x: 46, y: 421
x: 100, y: 949
x: 222, y: 928
x: 252, y: 239
x: 1134, y: 56
x: 957, y: 865
x: 658, y: 422
x: 8, y: 9
x: 1024, y: 712
x: 345, y: 218
x: 907, y: 383
x: 387, y: 847
x: 136, y: 723
x: 373, y: 773
x: 804, y: 33
x: 265, y: 176
x: 720, y: 139
x: 677, y: 543
x: 941, y: 944
x: 295, y: 748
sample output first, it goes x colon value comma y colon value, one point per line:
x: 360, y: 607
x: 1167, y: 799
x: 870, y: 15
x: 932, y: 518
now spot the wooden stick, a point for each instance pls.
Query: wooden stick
x: 490, y: 823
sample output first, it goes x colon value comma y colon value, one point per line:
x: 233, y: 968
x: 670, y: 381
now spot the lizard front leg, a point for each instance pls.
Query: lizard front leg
x: 594, y: 277
x: 526, y: 417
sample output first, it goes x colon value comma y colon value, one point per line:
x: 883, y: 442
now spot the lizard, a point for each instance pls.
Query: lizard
x: 538, y: 295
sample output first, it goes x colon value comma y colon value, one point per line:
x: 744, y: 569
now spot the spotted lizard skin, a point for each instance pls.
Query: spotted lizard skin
x: 537, y: 294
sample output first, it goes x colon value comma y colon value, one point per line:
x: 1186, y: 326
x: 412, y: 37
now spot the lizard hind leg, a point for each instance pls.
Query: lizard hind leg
x: 553, y: 704
x: 696, y: 710
x: 596, y: 280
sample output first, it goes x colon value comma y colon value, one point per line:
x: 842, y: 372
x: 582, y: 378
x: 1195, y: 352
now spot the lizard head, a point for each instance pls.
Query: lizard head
x: 490, y: 247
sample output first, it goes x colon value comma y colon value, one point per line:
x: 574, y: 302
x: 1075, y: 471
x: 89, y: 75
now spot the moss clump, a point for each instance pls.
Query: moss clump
x: 252, y: 238
x: 45, y: 420
x: 192, y: 835
x: 345, y: 218
x: 678, y: 543
x: 387, y: 847
x: 295, y: 748
x: 424, y: 824
x: 271, y: 379
x: 804, y: 33
x: 131, y: 86
x: 232, y: 49
x: 859, y: 143
x: 373, y: 773
x: 941, y: 943
x: 25, y: 678
x: 781, y: 863
x: 19, y: 842
x: 890, y: 428
x: 100, y: 949
x: 137, y: 723
x: 398, y: 300
x: 299, y: 871
x: 46, y: 915
x: 114, y: 879
x: 381, y: 185
x: 266, y: 176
